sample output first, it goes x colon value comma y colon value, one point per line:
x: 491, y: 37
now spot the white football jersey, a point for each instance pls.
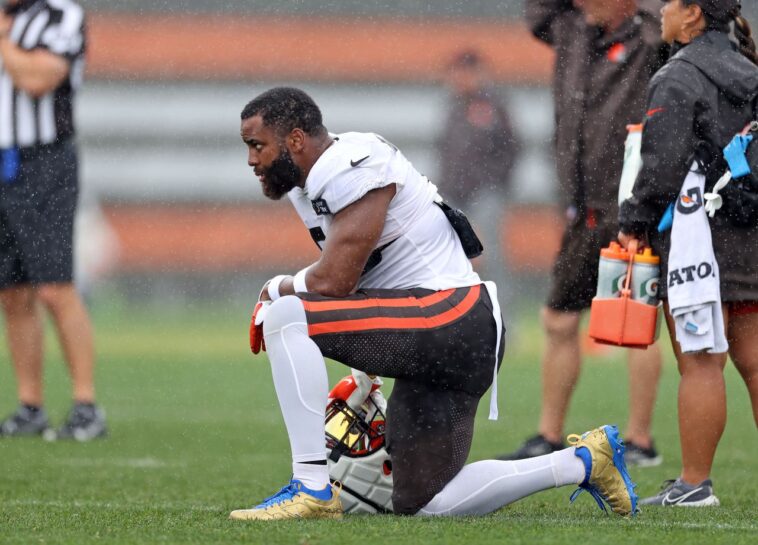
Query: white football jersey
x: 418, y: 247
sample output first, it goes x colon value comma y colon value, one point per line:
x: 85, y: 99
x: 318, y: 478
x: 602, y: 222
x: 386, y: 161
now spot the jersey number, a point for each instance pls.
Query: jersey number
x: 318, y: 236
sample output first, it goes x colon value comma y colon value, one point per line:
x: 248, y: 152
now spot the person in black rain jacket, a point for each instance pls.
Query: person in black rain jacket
x: 705, y: 94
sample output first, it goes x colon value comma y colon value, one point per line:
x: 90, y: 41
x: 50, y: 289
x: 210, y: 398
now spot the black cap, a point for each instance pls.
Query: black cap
x: 722, y: 11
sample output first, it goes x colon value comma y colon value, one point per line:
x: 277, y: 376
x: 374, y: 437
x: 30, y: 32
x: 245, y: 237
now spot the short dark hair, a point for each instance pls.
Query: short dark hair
x: 285, y: 109
x: 717, y: 13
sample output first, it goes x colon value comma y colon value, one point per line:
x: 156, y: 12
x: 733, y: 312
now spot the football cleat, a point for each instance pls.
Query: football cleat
x: 295, y: 501
x: 602, y: 451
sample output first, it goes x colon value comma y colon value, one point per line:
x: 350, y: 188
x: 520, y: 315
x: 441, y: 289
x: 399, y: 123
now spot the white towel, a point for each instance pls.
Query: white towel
x: 693, y: 273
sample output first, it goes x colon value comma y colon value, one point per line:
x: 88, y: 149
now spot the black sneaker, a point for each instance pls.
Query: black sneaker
x: 84, y: 423
x: 25, y: 421
x: 636, y: 455
x: 534, y: 446
x: 682, y: 494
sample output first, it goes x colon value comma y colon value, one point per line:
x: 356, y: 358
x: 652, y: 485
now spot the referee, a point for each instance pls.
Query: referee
x: 42, y: 45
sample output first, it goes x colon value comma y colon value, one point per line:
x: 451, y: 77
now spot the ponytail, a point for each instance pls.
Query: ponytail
x: 744, y: 36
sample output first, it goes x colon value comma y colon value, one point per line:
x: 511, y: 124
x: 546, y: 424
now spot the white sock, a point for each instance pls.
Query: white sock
x: 483, y: 487
x: 313, y: 476
x: 301, y: 383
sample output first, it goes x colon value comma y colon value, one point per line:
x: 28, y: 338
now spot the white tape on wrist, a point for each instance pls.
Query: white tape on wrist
x: 299, y: 281
x: 273, y: 286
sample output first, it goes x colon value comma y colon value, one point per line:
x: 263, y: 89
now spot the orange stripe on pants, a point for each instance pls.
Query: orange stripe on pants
x: 365, y: 324
x: 352, y: 304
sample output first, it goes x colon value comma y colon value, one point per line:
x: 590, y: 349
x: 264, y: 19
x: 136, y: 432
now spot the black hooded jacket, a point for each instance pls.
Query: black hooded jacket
x: 704, y: 95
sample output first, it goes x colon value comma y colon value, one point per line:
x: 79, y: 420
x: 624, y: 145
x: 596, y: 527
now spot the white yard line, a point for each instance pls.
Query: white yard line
x: 140, y: 463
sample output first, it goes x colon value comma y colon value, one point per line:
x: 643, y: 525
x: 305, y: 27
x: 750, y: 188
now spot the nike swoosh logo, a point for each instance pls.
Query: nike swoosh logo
x: 359, y: 161
x: 679, y: 499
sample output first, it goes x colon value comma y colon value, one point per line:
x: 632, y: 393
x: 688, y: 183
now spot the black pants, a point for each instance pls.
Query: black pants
x: 440, y: 349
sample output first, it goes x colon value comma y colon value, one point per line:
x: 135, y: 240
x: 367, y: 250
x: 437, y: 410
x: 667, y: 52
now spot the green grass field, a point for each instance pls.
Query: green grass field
x: 196, y: 432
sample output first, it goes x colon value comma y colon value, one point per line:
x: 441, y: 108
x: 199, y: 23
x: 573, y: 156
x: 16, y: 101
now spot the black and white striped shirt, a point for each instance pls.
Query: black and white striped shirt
x: 57, y: 26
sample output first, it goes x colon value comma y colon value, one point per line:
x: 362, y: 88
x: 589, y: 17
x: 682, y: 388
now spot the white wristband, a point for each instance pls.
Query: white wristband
x: 273, y: 286
x: 299, y: 281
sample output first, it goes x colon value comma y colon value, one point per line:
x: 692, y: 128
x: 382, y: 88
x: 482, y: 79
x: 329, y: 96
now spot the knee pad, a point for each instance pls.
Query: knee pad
x: 284, y: 311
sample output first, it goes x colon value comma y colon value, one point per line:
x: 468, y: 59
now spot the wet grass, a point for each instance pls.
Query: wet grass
x: 196, y: 432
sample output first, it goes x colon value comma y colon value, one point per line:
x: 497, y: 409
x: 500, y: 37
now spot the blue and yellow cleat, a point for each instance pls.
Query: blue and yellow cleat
x: 295, y: 501
x: 602, y: 451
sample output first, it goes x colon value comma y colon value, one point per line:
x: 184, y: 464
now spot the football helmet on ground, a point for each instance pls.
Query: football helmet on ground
x: 355, y: 441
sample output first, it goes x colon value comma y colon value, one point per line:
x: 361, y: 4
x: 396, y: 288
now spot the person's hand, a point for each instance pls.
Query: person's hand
x: 256, y: 320
x: 276, y: 282
x: 256, y: 327
x: 625, y: 240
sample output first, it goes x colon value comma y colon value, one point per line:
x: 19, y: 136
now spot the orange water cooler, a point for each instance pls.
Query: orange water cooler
x: 625, y: 310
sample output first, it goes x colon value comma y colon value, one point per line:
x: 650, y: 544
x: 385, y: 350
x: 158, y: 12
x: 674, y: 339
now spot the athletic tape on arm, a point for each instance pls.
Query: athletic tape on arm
x: 273, y: 286
x: 299, y: 281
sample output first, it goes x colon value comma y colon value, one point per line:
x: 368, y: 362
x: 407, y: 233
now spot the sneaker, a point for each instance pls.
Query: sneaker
x: 295, y: 501
x: 602, y: 451
x: 534, y: 446
x: 25, y: 421
x: 636, y: 455
x: 85, y: 422
x: 684, y: 495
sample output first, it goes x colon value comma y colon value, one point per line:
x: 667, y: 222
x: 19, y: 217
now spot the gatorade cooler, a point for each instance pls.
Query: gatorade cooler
x: 619, y: 319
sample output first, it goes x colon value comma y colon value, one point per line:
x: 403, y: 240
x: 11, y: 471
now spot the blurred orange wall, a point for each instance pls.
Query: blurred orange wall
x: 206, y: 237
x: 297, y: 48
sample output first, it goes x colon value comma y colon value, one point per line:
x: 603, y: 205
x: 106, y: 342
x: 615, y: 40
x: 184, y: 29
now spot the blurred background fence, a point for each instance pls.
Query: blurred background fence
x: 182, y: 216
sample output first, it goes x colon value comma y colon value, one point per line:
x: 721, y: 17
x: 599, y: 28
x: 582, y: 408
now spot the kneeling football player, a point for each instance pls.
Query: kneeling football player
x: 393, y: 294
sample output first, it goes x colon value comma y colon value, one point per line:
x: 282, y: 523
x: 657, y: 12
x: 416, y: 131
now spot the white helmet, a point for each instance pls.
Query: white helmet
x: 355, y: 442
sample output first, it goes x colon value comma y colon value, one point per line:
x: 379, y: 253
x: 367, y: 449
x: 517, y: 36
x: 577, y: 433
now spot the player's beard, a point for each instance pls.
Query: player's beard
x: 281, y: 176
